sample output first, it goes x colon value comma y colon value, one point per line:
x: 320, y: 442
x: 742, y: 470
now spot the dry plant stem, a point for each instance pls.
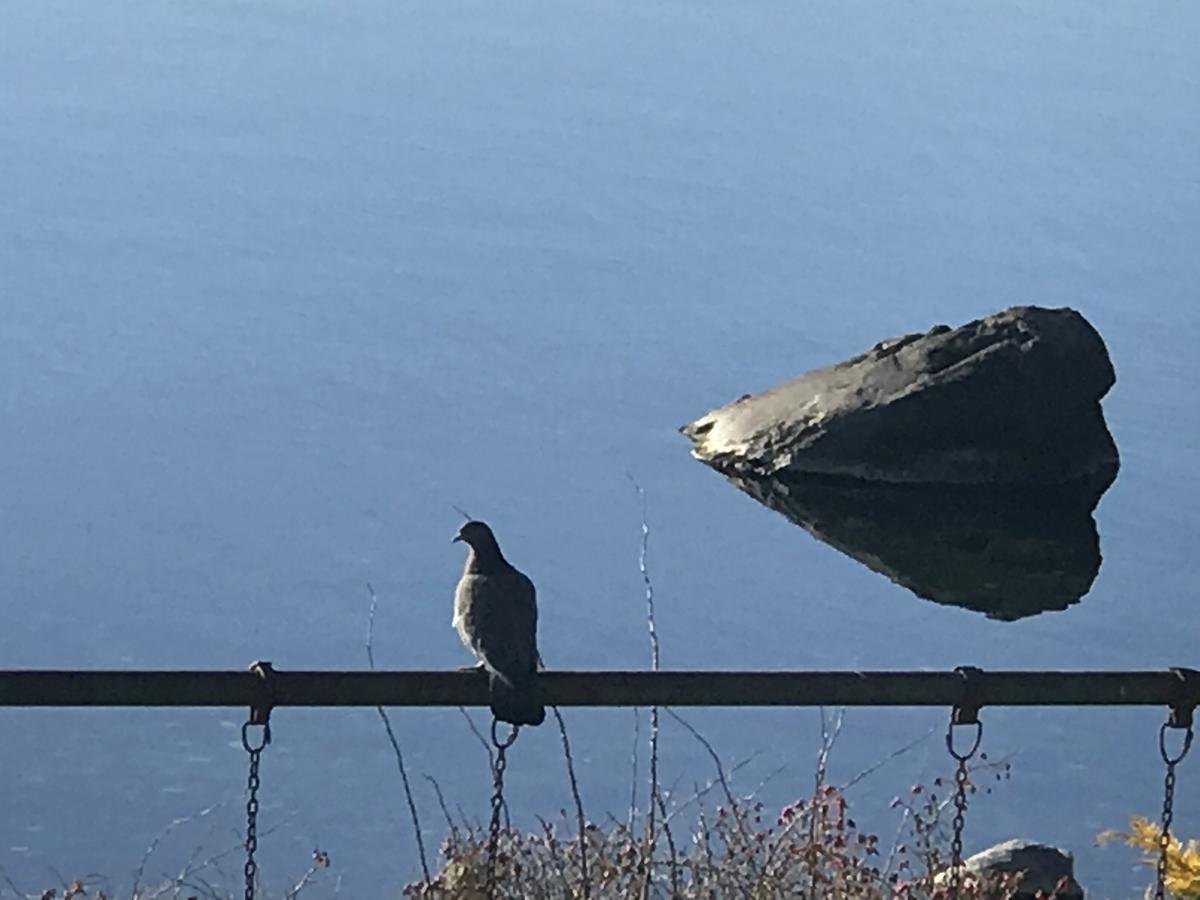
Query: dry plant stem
x: 828, y: 740
x: 193, y: 869
x: 734, y: 806
x: 771, y: 776
x: 896, y: 841
x: 17, y: 892
x: 581, y: 821
x: 441, y: 799
x: 158, y: 838
x: 551, y: 844
x: 304, y: 882
x: 483, y: 742
x: 654, y: 665
x: 387, y: 726
x: 706, y: 840
x: 699, y: 793
x: 674, y: 856
x: 196, y: 853
x: 633, y: 766
x: 895, y: 754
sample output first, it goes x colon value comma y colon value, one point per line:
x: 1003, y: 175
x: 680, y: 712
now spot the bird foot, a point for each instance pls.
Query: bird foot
x: 478, y: 667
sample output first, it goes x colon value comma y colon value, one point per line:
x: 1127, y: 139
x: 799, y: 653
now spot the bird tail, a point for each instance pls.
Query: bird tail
x: 517, y: 701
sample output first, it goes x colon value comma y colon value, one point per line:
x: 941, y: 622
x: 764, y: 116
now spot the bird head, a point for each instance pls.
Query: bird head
x: 476, y: 535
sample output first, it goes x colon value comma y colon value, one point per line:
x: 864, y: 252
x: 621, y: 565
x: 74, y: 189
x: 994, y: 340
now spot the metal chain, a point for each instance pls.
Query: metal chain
x: 497, y: 802
x: 1168, y: 809
x: 961, y: 784
x: 252, y: 784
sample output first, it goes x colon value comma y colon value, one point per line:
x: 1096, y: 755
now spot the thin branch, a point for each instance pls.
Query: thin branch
x: 702, y: 792
x: 441, y: 799
x: 320, y: 861
x: 879, y: 764
x: 483, y: 742
x: 158, y: 838
x: 891, y: 857
x: 633, y: 766
x: 195, y: 855
x: 16, y: 890
x: 582, y: 821
x: 391, y: 735
x: 193, y: 869
x: 721, y: 779
x: 674, y: 856
x: 828, y: 740
x: 706, y: 839
x: 550, y: 842
x: 770, y: 776
x: 654, y: 664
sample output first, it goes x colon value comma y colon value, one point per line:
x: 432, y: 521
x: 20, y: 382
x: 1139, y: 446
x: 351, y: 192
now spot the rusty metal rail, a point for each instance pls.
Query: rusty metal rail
x: 1175, y: 688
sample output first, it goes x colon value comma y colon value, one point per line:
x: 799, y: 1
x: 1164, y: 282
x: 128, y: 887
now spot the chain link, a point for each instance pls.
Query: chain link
x: 962, y: 782
x: 252, y: 785
x: 1168, y: 809
x: 493, y: 845
x: 960, y: 812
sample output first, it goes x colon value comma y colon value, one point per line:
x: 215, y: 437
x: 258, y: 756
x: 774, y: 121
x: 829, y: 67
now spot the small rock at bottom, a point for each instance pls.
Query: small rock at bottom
x: 1045, y: 868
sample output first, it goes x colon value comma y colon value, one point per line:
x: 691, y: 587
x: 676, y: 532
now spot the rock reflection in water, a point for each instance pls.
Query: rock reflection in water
x: 1009, y: 554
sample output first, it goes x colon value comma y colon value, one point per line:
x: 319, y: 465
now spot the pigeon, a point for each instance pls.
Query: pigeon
x: 495, y: 614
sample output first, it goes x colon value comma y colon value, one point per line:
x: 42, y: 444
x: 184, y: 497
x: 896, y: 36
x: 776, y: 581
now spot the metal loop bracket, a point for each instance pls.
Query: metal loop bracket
x: 1167, y: 757
x: 966, y: 711
x: 975, y: 741
x: 1183, y: 710
x: 260, y: 712
x: 263, y: 741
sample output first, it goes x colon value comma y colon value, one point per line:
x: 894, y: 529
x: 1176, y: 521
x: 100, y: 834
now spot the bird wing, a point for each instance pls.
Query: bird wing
x: 505, y: 627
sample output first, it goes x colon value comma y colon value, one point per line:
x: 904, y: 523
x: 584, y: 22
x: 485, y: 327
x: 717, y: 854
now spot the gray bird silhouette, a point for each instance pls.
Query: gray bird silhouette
x: 495, y: 614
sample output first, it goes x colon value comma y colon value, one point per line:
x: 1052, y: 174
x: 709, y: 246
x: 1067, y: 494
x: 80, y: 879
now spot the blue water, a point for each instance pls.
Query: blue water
x: 281, y: 283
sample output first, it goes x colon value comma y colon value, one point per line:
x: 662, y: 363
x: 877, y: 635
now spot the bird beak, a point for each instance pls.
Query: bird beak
x: 456, y: 539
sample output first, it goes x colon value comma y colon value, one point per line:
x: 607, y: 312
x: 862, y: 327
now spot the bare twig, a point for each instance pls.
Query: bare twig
x: 734, y: 806
x: 770, y: 776
x: 474, y: 829
x: 194, y: 856
x: 550, y: 842
x: 193, y: 869
x: 879, y: 764
x: 706, y: 842
x: 828, y: 739
x: 891, y: 857
x: 441, y: 799
x: 320, y: 861
x: 674, y: 855
x: 391, y: 734
x: 633, y: 766
x: 702, y: 792
x: 158, y: 838
x: 581, y: 820
x: 654, y: 664
x: 12, y: 887
x: 483, y: 742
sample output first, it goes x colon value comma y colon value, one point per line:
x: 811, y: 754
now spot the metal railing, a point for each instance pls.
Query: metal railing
x: 266, y: 687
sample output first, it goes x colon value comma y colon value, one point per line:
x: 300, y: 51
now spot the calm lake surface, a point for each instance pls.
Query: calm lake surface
x: 281, y: 283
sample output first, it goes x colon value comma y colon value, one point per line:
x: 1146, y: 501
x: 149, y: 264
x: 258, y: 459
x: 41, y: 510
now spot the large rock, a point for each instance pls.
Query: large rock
x: 1013, y: 398
x: 1044, y: 868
